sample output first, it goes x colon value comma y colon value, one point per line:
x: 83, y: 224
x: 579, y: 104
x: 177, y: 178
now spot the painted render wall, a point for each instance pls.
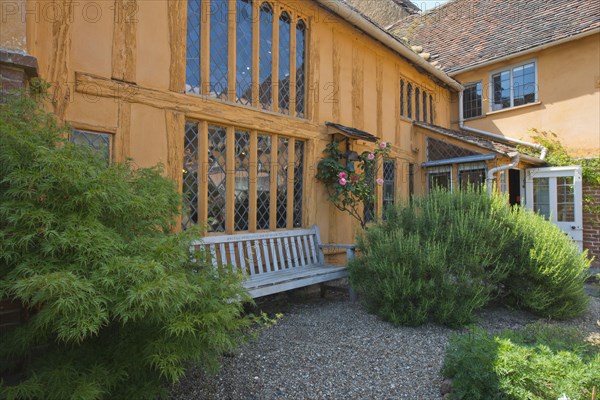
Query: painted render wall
x: 121, y: 69
x: 568, y: 93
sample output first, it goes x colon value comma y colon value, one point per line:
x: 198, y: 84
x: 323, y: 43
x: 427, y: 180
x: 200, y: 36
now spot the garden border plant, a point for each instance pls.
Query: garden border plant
x: 119, y: 307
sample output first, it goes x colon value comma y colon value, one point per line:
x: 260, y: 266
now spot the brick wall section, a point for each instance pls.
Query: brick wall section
x: 591, y: 223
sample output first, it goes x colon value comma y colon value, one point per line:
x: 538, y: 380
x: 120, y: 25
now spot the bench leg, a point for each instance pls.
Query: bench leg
x: 323, y: 288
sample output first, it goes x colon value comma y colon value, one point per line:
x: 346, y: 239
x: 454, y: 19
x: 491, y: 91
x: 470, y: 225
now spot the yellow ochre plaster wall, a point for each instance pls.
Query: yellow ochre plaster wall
x: 119, y: 67
x: 568, y: 94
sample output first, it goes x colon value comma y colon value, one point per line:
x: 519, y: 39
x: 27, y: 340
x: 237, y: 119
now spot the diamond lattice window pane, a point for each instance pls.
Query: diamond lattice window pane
x: 409, y: 107
x: 99, y: 142
x: 298, y: 183
x: 300, y: 68
x: 284, y: 63
x: 263, y: 182
x: 282, y: 181
x: 244, y: 52
x: 265, y: 85
x: 193, y: 48
x: 369, y: 207
x: 219, y: 46
x: 242, y: 180
x: 389, y: 180
x: 217, y: 178
x: 439, y: 150
x: 190, y: 175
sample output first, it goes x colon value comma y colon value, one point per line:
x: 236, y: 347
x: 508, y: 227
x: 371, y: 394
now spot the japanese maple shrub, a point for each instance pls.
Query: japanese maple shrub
x: 119, y: 307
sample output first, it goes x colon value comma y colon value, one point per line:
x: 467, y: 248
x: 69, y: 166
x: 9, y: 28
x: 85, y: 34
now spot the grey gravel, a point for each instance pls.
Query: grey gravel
x: 332, y: 349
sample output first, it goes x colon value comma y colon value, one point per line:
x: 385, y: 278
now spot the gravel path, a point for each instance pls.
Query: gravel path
x: 332, y: 349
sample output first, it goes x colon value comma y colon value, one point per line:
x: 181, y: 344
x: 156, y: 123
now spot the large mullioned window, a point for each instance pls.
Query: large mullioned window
x: 250, y: 52
x: 236, y: 180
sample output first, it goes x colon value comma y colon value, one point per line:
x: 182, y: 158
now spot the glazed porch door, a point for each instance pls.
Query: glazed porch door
x: 556, y: 193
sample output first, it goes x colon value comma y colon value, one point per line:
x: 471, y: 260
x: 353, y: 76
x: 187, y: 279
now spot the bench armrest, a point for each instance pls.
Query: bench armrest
x: 338, y: 246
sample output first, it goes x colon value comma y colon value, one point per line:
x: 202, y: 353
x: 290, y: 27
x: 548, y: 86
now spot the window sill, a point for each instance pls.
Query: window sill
x: 406, y: 119
x: 537, y: 103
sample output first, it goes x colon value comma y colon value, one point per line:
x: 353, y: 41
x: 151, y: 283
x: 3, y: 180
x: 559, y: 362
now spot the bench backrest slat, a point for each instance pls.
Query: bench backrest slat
x: 264, y: 252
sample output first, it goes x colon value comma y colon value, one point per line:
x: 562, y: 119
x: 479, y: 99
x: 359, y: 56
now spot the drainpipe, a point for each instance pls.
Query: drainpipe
x: 491, y: 175
x: 461, y: 124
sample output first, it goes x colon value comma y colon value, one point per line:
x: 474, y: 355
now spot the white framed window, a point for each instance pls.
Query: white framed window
x: 514, y: 86
x: 472, y: 100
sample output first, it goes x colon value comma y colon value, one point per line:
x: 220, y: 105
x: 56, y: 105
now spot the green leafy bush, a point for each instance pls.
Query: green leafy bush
x: 446, y: 255
x: 118, y: 306
x: 537, y: 363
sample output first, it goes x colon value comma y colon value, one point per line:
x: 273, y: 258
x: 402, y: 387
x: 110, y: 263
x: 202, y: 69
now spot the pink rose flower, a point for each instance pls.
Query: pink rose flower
x: 342, y: 175
x: 383, y: 145
x: 343, y: 181
x: 379, y: 181
x: 371, y: 156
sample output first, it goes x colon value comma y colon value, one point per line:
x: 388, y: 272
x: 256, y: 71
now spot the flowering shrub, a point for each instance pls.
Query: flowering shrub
x: 351, y: 185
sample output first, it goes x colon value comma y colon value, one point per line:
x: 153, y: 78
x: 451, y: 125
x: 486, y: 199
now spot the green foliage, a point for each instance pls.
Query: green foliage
x: 445, y: 255
x: 119, y: 307
x: 349, y: 190
x: 537, y: 363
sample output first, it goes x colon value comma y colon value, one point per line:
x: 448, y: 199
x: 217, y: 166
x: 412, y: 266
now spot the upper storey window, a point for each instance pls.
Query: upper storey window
x: 249, y: 52
x: 514, y: 86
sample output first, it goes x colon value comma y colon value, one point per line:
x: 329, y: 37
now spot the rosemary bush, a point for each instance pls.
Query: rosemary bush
x: 118, y: 307
x: 446, y: 255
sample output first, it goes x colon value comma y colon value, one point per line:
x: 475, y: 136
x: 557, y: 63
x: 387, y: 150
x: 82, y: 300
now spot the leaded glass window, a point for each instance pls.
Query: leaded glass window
x: 300, y: 68
x: 431, y: 109
x: 266, y: 56
x: 242, y: 180
x: 298, y: 183
x: 439, y: 177
x: 369, y: 206
x: 402, y: 97
x: 389, y: 183
x: 284, y: 63
x: 424, y: 106
x: 190, y: 175
x: 219, y: 44
x: 99, y: 142
x: 244, y: 52
x: 192, y: 70
x: 417, y: 104
x: 217, y: 178
x: 263, y: 182
x: 282, y: 182
x: 471, y: 175
x: 409, y: 90
x: 440, y: 150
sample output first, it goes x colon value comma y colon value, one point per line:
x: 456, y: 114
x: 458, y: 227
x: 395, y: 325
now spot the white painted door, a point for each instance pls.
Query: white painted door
x: 556, y: 193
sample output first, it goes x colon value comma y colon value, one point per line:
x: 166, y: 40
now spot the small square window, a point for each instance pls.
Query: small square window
x: 99, y: 142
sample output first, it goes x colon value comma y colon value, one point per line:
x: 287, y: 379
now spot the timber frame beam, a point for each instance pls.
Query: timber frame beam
x: 196, y: 107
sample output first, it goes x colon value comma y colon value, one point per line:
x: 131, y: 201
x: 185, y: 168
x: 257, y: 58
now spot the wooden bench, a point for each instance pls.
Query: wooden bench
x: 275, y: 261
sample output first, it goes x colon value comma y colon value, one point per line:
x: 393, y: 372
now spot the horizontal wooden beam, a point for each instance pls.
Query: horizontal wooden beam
x: 197, y: 107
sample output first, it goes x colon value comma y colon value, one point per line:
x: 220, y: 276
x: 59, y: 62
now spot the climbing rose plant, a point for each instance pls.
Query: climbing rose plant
x: 351, y: 189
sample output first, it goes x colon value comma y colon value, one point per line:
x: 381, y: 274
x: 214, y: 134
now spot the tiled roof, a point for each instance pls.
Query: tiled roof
x: 464, y: 33
x: 352, y: 132
x: 383, y: 12
x: 492, y: 145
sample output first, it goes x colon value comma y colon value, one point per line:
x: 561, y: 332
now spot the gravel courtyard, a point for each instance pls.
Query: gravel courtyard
x: 332, y: 349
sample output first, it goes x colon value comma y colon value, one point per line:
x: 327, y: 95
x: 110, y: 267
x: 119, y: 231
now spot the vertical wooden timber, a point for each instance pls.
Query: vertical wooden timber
x: 357, y: 87
x: 59, y: 73
x: 290, y: 182
x: 379, y: 189
x: 275, y: 54
x: 398, y: 132
x: 203, y: 171
x: 379, y: 88
x: 124, y: 41
x: 309, y: 202
x: 274, y: 176
x: 231, y: 68
x: 292, y: 98
x: 230, y: 182
x: 255, y: 53
x: 313, y: 62
x: 205, y: 46
x: 123, y: 135
x: 175, y: 128
x: 177, y: 40
x: 253, y: 181
x: 336, y: 65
